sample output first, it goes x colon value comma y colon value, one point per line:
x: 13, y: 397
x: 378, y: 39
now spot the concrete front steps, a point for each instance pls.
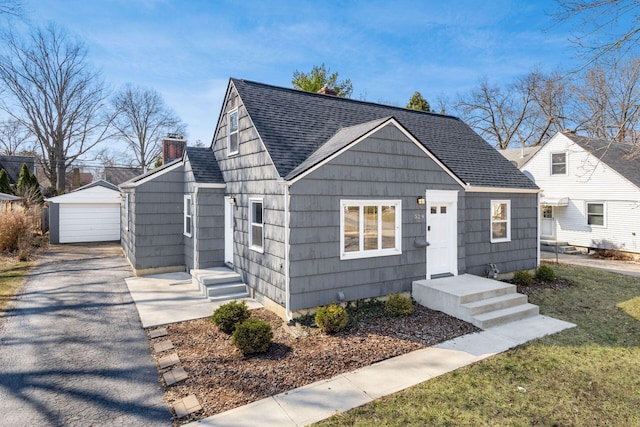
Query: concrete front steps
x: 477, y: 300
x: 563, y: 247
x: 220, y: 284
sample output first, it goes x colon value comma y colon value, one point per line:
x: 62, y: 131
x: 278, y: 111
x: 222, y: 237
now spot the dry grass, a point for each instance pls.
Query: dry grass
x: 12, y: 273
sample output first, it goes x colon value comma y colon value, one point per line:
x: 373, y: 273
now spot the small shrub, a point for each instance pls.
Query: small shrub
x: 228, y: 316
x: 332, y: 318
x: 545, y: 273
x: 253, y: 336
x: 522, y: 278
x: 398, y: 305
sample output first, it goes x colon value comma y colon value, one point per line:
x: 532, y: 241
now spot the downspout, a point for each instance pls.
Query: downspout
x: 539, y: 224
x: 287, y: 301
x: 196, y: 256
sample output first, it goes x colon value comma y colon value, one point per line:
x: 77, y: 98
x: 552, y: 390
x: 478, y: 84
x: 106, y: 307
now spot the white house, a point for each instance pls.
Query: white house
x: 591, y: 191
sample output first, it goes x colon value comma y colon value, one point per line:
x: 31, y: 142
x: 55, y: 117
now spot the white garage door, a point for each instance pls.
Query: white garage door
x: 90, y: 222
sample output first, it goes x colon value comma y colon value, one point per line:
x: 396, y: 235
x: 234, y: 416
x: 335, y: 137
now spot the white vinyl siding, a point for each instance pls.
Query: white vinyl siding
x: 588, y: 180
x: 370, y: 228
x: 500, y: 221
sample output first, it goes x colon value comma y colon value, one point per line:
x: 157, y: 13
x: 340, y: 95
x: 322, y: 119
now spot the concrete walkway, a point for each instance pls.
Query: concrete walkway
x: 171, y: 297
x: 320, y: 400
x: 72, y: 350
x: 620, y: 267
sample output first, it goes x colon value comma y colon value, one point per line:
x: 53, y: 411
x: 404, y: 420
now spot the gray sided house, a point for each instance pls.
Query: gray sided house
x: 314, y: 198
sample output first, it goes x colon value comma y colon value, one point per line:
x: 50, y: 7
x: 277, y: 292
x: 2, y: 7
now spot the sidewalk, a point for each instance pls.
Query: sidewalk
x: 620, y: 267
x: 320, y: 400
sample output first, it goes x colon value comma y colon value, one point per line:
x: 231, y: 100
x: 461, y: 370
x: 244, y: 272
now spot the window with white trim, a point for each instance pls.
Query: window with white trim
x: 232, y: 134
x: 188, y: 216
x: 256, y: 225
x: 596, y: 214
x: 559, y: 163
x: 500, y: 221
x: 126, y: 211
x: 370, y: 228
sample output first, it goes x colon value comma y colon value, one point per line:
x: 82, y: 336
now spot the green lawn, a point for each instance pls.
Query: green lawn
x: 585, y: 376
x: 11, y: 275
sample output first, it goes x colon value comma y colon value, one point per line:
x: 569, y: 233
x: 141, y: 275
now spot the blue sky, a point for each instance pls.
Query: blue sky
x: 187, y: 50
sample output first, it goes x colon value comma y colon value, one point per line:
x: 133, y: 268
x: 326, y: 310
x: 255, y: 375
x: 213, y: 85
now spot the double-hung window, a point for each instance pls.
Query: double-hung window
x: 559, y: 163
x: 595, y: 214
x: 500, y: 221
x: 370, y: 228
x: 232, y: 126
x: 256, y: 226
x: 188, y: 216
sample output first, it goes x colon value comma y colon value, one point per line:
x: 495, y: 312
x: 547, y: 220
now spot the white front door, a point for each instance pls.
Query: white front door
x: 442, y: 217
x: 547, y: 223
x: 228, y: 231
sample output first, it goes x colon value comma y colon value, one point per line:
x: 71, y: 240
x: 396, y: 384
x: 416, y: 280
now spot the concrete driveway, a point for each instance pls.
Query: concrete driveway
x: 72, y: 349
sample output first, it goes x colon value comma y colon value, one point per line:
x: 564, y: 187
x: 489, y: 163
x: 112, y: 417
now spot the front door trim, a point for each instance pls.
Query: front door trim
x: 450, y: 198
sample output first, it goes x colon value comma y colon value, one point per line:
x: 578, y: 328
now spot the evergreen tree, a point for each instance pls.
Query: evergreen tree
x: 24, y: 179
x: 5, y: 185
x: 28, y: 187
x: 417, y: 102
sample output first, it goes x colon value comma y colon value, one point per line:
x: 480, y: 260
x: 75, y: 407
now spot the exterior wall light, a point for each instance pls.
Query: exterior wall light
x: 421, y: 200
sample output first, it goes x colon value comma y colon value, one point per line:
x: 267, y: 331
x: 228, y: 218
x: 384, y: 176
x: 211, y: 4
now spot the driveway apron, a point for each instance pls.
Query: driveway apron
x: 72, y: 349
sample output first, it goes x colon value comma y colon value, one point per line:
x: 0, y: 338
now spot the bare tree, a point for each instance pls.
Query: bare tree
x: 609, y: 102
x: 55, y: 94
x: 526, y: 112
x: 14, y: 138
x: 142, y: 119
x: 12, y: 7
x: 605, y: 28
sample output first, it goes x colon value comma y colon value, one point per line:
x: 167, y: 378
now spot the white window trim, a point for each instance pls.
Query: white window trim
x: 397, y: 250
x: 126, y: 211
x: 237, y: 132
x: 187, y: 202
x: 604, y: 213
x: 508, y: 221
x: 566, y: 163
x: 251, y: 245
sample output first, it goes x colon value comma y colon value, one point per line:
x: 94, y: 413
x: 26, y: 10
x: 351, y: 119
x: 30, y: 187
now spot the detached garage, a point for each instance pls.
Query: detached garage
x: 88, y: 214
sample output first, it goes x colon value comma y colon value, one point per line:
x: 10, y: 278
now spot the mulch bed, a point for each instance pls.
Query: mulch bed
x: 541, y: 284
x: 222, y: 379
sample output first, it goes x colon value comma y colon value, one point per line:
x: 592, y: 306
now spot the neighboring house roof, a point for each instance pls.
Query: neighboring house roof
x: 13, y: 164
x: 520, y: 156
x: 99, y: 183
x: 623, y: 158
x: 203, y: 165
x: 294, y: 124
x: 132, y: 182
x: 118, y: 175
x: 4, y: 197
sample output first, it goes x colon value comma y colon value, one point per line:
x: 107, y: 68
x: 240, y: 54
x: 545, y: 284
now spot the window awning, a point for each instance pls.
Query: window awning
x: 554, y: 201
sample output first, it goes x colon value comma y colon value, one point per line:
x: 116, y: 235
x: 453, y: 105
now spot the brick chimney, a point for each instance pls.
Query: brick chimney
x: 327, y: 91
x: 172, y: 147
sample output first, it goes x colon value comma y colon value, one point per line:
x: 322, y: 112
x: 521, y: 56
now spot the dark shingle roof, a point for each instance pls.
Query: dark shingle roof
x: 294, y: 124
x: 13, y: 164
x: 99, y: 183
x: 623, y: 158
x: 204, y: 165
x: 117, y: 174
